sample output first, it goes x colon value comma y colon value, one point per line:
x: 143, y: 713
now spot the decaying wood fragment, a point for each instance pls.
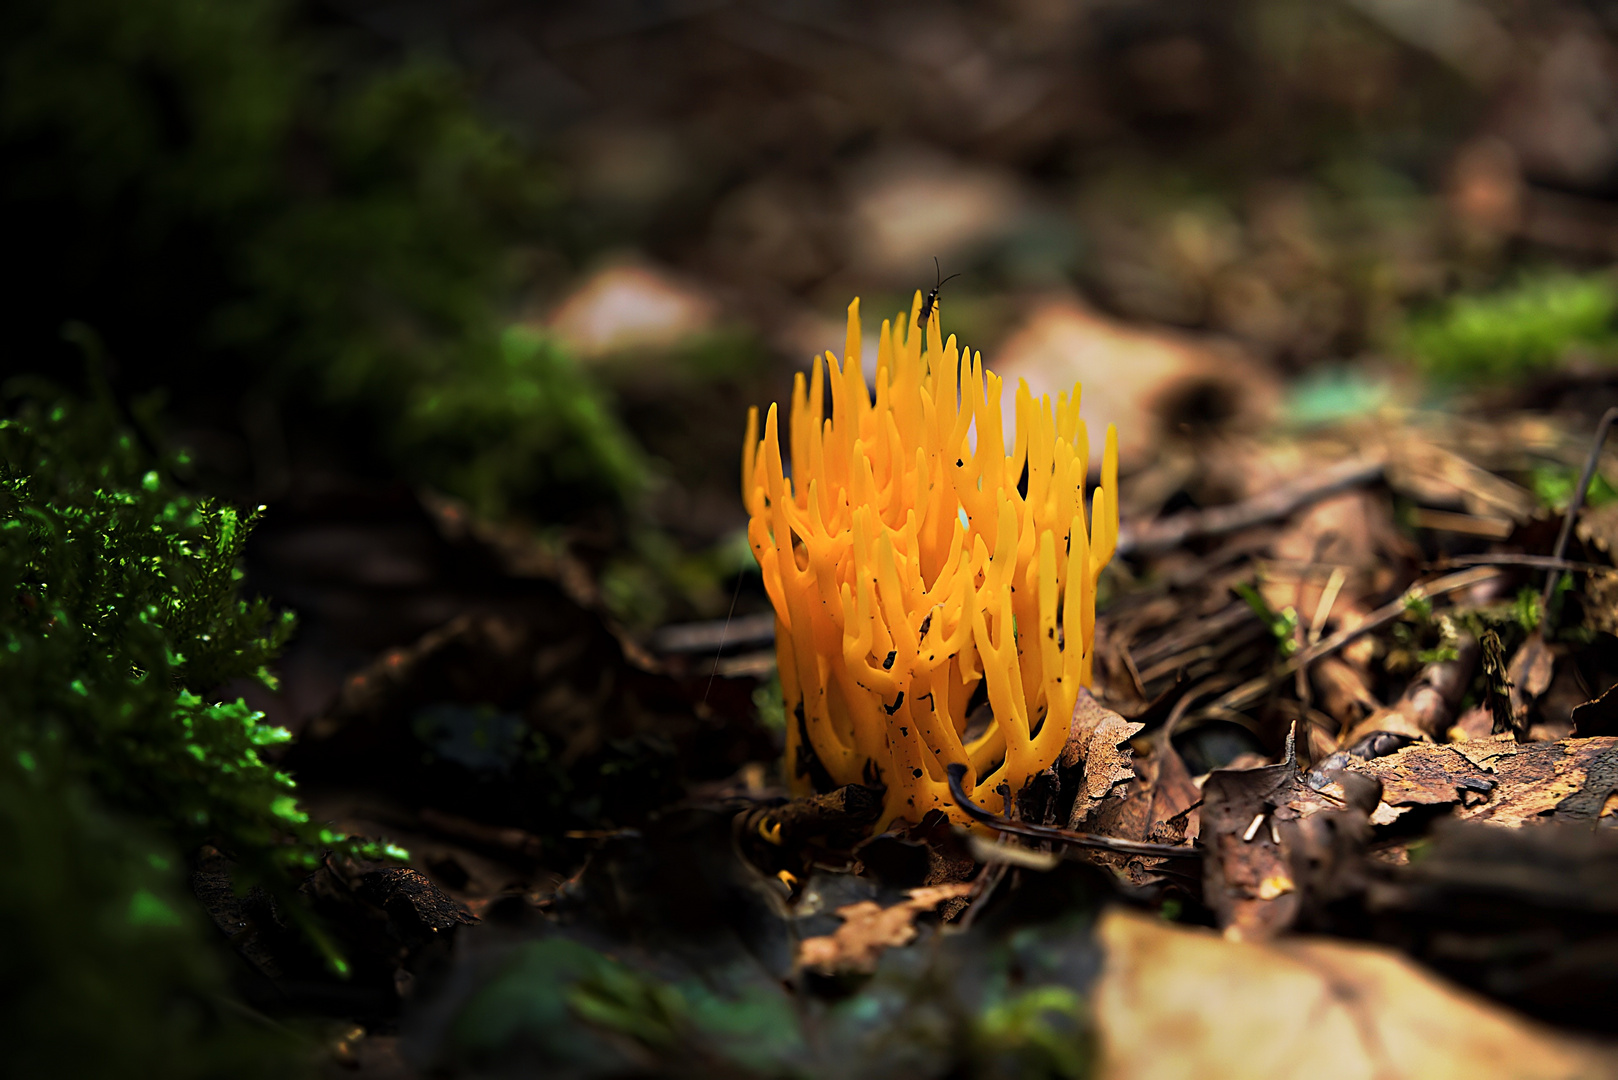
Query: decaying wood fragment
x: 1498, y: 780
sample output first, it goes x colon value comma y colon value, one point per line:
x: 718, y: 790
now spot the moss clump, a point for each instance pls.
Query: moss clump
x: 526, y: 421
x: 122, y: 627
x: 123, y: 635
x: 1515, y: 332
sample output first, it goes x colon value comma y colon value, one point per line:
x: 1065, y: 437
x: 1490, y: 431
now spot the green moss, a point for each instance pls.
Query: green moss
x: 122, y: 624
x: 768, y: 704
x: 1514, y: 332
x: 1282, y: 625
x: 520, y: 421
x: 1041, y: 1032
x: 122, y: 630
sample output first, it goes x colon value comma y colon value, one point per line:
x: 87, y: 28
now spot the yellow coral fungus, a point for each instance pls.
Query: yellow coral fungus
x: 916, y: 567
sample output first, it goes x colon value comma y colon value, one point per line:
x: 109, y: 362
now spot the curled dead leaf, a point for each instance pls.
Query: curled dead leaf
x: 1530, y: 673
x: 1427, y: 707
x: 1598, y: 716
x: 869, y: 929
x: 1099, y: 738
x: 1281, y: 844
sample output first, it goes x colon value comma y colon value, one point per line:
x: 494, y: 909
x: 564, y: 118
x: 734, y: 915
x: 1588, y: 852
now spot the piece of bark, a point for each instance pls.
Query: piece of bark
x: 1499, y: 780
x: 1525, y: 915
x: 419, y: 910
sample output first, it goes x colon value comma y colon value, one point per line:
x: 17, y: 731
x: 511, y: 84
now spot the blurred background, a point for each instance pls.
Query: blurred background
x: 530, y: 262
x: 472, y: 296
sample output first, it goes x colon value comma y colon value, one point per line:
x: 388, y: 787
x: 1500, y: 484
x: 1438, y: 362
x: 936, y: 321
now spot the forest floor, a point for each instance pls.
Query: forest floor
x: 1350, y: 741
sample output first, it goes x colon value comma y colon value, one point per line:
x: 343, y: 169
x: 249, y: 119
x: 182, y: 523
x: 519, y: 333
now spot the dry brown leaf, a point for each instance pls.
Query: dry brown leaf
x: 1161, y: 805
x: 1161, y: 792
x: 1133, y: 377
x: 1099, y: 738
x: 1475, y: 723
x: 630, y: 306
x: 1599, y: 526
x: 1279, y: 843
x: 1353, y: 531
x: 868, y: 929
x: 1341, y: 690
x: 1175, y: 1002
x: 1601, y: 603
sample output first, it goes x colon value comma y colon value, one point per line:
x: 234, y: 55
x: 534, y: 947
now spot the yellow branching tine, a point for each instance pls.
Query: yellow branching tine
x: 749, y: 453
x: 852, y: 345
x: 1076, y: 598
x: 884, y: 350
x: 937, y: 728
x: 1023, y: 409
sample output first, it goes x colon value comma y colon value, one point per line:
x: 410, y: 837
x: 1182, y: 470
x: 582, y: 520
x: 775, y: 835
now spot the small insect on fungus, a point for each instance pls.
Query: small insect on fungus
x: 932, y: 297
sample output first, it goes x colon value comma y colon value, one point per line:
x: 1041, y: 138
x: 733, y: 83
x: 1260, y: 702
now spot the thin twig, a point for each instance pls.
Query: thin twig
x: 1277, y: 503
x: 1539, y: 562
x: 988, y: 880
x: 720, y: 647
x: 1328, y: 600
x: 1577, y: 504
x: 957, y: 772
x: 701, y: 637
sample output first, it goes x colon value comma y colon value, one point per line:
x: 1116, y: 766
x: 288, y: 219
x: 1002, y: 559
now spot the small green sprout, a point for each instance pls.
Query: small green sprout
x: 1282, y: 625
